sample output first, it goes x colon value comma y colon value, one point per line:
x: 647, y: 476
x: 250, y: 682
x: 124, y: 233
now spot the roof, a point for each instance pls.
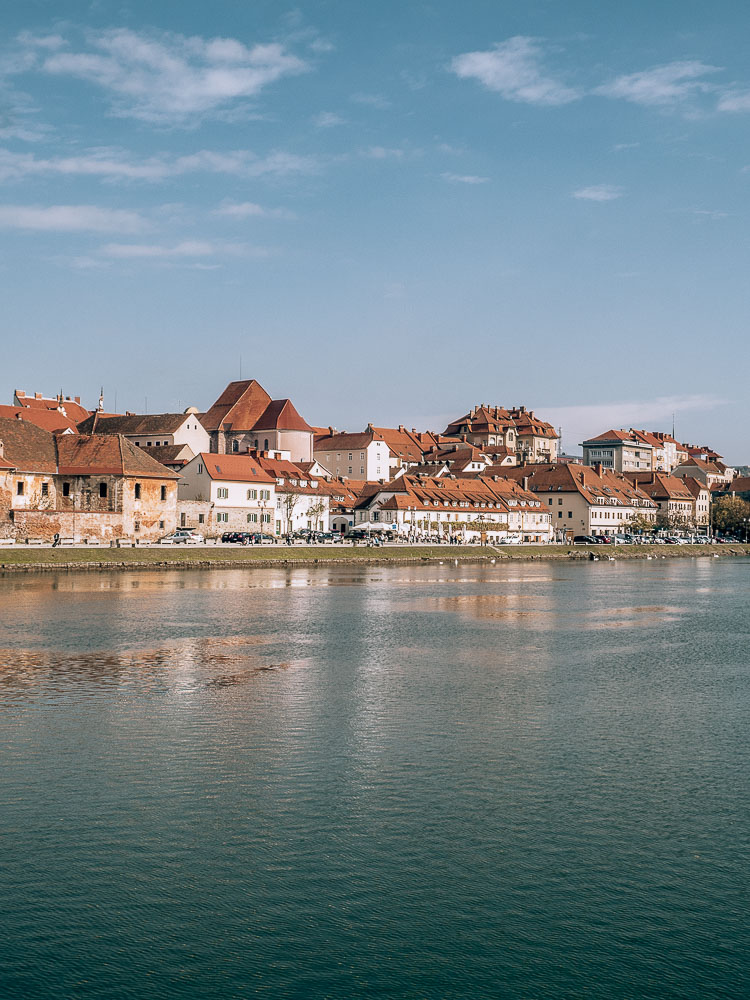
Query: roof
x: 72, y: 407
x: 238, y: 407
x: 32, y: 449
x: 28, y: 447
x: 612, y: 435
x: 106, y: 454
x: 594, y: 487
x: 169, y: 454
x: 343, y: 442
x: 48, y: 420
x: 234, y: 468
x: 660, y: 486
x: 281, y: 415
x: 133, y: 423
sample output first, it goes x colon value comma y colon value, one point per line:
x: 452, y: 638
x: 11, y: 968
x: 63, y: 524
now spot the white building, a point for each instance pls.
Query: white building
x: 242, y: 496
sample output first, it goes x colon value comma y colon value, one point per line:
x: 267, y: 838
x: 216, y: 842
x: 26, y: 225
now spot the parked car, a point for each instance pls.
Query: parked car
x: 260, y: 538
x: 584, y: 540
x: 604, y: 539
x: 184, y: 536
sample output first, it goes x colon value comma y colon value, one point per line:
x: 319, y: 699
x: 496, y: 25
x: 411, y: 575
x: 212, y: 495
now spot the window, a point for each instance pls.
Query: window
x: 148, y: 444
x: 161, y: 526
x: 138, y: 491
x: 222, y: 492
x: 66, y: 489
x: 265, y: 444
x: 265, y: 494
x: 45, y: 489
x: 222, y: 517
x: 361, y: 470
x: 252, y: 494
x: 136, y: 526
x: 362, y: 455
x: 266, y: 518
x: 183, y: 520
x: 164, y: 492
x: 201, y: 518
x: 559, y: 501
x: 350, y: 469
x: 252, y: 518
x: 200, y: 469
x: 103, y: 491
x: 19, y: 489
x: 570, y: 513
x: 278, y: 503
x: 350, y: 456
x: 278, y: 527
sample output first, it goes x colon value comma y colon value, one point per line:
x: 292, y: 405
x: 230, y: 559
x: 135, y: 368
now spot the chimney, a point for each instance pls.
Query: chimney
x: 598, y: 468
x: 414, y: 430
x: 369, y: 429
x: 525, y: 482
x: 401, y: 428
x: 330, y: 431
x: 37, y: 395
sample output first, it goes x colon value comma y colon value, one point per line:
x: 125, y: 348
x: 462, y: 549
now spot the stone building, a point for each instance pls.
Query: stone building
x: 80, y: 486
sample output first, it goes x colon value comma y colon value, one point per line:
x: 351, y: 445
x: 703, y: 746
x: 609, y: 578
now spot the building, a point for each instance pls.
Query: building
x: 467, y: 510
x: 152, y: 430
x: 675, y: 500
x: 587, y: 501
x: 81, y: 486
x: 48, y: 420
x: 516, y: 430
x: 365, y: 455
x: 244, y: 418
x: 69, y: 406
x: 712, y: 473
x: 620, y: 451
x: 302, y: 501
x: 701, y: 503
x: 227, y: 492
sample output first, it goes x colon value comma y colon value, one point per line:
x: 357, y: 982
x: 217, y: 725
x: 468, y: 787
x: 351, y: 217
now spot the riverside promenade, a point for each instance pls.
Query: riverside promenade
x: 39, y: 558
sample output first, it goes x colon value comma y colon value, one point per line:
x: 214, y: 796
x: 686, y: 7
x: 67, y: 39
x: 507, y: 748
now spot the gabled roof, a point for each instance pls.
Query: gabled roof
x: 660, y: 486
x: 611, y: 435
x: 29, y: 448
x: 48, y: 420
x: 72, y: 407
x: 134, y: 423
x: 106, y: 454
x: 281, y: 415
x: 169, y: 454
x: 343, y: 442
x: 238, y: 407
x: 234, y: 468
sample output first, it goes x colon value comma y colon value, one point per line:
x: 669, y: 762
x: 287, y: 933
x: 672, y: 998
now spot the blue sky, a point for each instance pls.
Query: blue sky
x: 389, y: 212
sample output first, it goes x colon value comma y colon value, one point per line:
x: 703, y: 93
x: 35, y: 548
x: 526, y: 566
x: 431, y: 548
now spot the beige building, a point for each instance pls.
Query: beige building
x: 354, y: 456
x: 620, y: 451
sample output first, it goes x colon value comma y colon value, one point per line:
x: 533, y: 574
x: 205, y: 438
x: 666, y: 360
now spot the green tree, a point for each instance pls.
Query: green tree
x: 728, y: 514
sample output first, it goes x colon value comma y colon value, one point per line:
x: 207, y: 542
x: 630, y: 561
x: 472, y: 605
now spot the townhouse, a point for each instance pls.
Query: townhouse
x: 219, y: 493
x: 153, y: 430
x: 620, y: 451
x: 712, y: 473
x: 79, y: 486
x: 357, y: 456
x: 675, y: 500
x: 469, y: 510
x: 302, y: 501
x: 587, y: 501
x: 516, y: 430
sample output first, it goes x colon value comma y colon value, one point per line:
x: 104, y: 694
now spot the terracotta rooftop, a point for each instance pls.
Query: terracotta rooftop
x: 234, y: 468
x: 48, y: 420
x: 134, y: 423
x: 238, y: 407
x: 280, y: 414
x: 71, y: 406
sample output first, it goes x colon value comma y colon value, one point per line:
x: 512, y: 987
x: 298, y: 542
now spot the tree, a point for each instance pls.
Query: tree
x: 728, y: 514
x: 288, y: 502
x: 640, y: 523
x: 314, y: 511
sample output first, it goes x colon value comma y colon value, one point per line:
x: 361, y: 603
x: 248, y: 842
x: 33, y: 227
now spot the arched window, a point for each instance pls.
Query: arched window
x: 265, y: 445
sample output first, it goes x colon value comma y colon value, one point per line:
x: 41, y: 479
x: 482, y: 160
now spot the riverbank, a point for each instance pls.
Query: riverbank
x: 47, y: 559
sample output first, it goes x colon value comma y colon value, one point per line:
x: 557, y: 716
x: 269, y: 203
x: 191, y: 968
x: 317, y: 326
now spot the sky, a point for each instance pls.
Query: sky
x: 388, y: 212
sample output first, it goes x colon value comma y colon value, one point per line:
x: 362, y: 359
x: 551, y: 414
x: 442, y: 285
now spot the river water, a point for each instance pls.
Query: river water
x: 525, y: 781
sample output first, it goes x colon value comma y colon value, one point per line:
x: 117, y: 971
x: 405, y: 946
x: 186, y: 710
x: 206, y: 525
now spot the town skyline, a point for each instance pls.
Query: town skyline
x: 389, y: 213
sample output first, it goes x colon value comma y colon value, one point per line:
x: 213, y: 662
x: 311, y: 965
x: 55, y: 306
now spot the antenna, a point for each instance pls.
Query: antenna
x: 145, y: 404
x: 240, y: 367
x: 672, y: 424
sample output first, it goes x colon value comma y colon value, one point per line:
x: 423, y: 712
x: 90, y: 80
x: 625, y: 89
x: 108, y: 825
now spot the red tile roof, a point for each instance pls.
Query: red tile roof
x: 281, y: 415
x: 238, y: 407
x: 234, y: 468
x: 48, y: 420
x: 72, y: 407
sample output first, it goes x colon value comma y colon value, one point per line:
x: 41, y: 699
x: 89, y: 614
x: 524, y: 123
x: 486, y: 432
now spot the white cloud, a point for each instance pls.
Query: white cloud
x: 665, y: 85
x: 185, y: 249
x: 168, y: 77
x: 582, y: 422
x: 712, y: 214
x: 514, y: 69
x: 114, y: 164
x: 328, y: 119
x: 371, y: 101
x: 620, y: 146
x: 599, y: 192
x: 735, y: 100
x: 250, y: 209
x: 464, y: 178
x: 70, y: 218
x: 382, y: 153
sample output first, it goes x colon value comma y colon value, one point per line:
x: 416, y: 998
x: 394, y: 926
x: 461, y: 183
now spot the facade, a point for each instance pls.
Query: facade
x: 244, y: 418
x: 302, y: 501
x: 238, y: 494
x: 620, y: 451
x: 711, y: 473
x: 355, y: 456
x: 82, y: 487
x: 466, y: 510
x: 587, y: 501
x: 675, y: 501
x: 701, y: 502
x: 152, y: 430
x: 516, y: 430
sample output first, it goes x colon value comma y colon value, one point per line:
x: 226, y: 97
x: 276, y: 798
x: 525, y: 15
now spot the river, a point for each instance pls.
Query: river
x: 447, y: 781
